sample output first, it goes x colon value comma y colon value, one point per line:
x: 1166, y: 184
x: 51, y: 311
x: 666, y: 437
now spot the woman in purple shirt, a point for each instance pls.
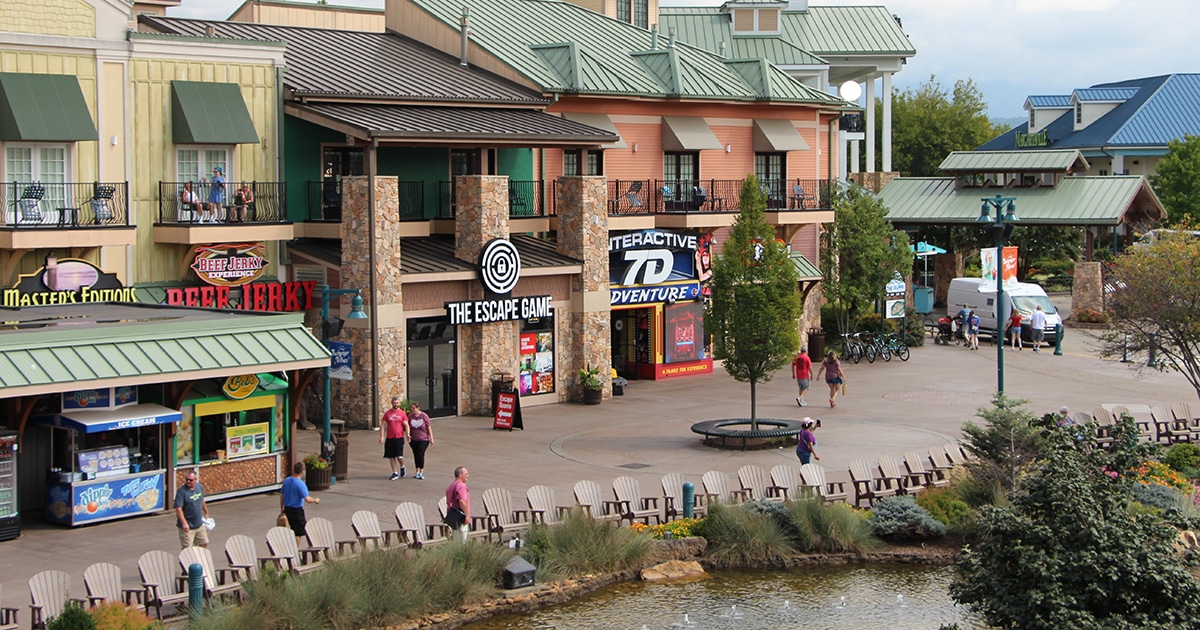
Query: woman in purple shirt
x: 806, y: 442
x: 420, y: 436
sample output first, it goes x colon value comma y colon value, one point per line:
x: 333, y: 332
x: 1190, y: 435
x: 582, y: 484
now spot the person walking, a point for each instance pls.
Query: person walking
x: 459, y: 496
x: 1014, y: 327
x: 420, y: 436
x: 391, y: 436
x: 973, y: 331
x: 293, y: 496
x: 802, y: 372
x: 1037, y: 328
x: 834, y: 377
x: 190, y: 512
x: 806, y: 442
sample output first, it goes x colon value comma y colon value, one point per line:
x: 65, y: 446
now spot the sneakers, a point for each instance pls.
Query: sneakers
x: 419, y: 476
x: 394, y: 477
x: 401, y: 471
x: 799, y: 402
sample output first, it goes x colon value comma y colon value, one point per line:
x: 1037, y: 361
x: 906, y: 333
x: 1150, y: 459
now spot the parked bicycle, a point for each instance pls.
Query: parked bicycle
x: 852, y: 347
x: 894, y: 343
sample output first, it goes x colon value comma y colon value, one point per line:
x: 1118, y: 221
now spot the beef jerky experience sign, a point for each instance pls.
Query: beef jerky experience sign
x: 499, y: 271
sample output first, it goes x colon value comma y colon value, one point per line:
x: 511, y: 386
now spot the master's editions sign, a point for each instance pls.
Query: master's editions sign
x: 657, y: 266
x: 86, y: 502
x: 499, y: 272
x: 67, y: 281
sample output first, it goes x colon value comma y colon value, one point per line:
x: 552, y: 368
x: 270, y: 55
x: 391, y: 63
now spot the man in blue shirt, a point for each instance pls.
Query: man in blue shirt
x: 292, y: 499
x: 190, y: 512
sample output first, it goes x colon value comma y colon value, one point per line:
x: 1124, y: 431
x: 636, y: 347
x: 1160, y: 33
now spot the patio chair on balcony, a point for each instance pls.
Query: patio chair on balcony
x: 29, y: 205
x: 101, y: 202
x: 633, y: 201
x: 517, y: 206
x: 800, y: 199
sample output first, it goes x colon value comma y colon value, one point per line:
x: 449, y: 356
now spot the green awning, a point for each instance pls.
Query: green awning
x: 43, y: 108
x: 210, y: 113
x: 805, y: 268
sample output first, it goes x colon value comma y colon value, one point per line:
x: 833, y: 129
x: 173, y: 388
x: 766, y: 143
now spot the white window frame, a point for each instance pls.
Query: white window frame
x: 55, y: 190
x: 204, y: 161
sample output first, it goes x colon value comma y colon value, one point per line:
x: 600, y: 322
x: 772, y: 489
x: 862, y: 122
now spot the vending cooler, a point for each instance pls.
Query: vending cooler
x: 10, y: 521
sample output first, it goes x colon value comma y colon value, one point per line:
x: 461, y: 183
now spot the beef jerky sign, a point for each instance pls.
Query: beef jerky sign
x: 499, y: 271
x: 230, y: 265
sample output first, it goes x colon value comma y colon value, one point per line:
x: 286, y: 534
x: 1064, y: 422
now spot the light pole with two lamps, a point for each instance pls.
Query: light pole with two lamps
x: 332, y: 327
x: 1001, y: 229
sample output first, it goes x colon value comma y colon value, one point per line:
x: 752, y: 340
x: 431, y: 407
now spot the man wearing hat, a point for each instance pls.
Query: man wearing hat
x: 216, y: 193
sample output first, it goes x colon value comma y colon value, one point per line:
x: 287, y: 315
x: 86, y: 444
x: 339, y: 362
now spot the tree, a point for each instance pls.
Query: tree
x: 755, y: 306
x: 1156, y: 304
x: 1006, y: 448
x: 860, y: 254
x: 1069, y: 553
x: 1178, y: 180
x: 929, y: 122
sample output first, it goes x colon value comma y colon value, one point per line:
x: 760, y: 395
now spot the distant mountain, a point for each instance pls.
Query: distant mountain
x: 1009, y: 122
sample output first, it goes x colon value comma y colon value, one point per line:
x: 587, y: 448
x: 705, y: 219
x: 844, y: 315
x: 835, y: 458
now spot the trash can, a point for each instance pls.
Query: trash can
x: 341, y: 453
x: 816, y: 344
x: 501, y: 382
x: 923, y: 300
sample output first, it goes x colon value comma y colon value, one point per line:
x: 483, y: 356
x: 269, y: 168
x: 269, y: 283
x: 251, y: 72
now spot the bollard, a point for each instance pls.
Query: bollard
x: 195, y: 590
x: 689, y: 499
x: 1125, y: 355
x: 1058, y: 333
x: 1152, y: 362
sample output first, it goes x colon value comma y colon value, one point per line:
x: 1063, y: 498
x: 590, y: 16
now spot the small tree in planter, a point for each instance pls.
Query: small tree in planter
x: 592, y: 384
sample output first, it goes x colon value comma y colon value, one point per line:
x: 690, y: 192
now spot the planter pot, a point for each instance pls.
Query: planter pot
x: 592, y: 396
x: 318, y: 479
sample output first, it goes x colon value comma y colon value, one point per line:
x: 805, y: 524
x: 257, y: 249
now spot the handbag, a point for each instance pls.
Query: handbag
x: 845, y: 388
x: 455, y: 517
x: 281, y: 520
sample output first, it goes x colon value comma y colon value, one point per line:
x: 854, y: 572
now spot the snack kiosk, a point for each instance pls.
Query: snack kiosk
x: 106, y: 456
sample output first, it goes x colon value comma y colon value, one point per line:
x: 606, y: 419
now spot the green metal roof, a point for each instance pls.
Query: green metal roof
x: 820, y: 31
x: 605, y: 56
x: 59, y: 348
x: 210, y: 113
x: 43, y: 108
x: 805, y: 269
x: 1049, y: 161
x: 1075, y: 201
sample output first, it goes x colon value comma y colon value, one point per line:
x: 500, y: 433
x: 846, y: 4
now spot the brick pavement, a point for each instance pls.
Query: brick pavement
x: 892, y: 407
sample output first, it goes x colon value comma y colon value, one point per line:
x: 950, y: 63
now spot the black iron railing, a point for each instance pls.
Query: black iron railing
x: 412, y: 201
x: 526, y: 199
x: 189, y: 202
x: 630, y: 196
x: 64, y: 204
x: 325, y: 201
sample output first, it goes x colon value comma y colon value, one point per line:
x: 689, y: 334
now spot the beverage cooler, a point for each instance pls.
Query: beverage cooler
x: 10, y: 520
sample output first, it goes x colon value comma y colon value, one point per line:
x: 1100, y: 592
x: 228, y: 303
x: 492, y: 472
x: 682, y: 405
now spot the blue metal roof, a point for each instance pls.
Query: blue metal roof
x: 1050, y: 100
x: 1105, y: 94
x: 1160, y: 109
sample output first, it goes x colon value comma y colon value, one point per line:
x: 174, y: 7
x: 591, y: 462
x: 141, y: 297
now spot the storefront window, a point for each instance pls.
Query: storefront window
x: 684, y: 332
x: 537, y: 356
x: 217, y: 439
x: 185, y: 442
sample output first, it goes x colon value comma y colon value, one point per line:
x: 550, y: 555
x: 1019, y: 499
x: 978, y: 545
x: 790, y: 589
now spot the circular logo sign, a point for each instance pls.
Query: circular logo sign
x: 500, y: 266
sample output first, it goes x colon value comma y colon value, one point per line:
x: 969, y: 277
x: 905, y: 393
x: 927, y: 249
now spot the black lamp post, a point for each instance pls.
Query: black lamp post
x: 332, y: 327
x: 1001, y: 229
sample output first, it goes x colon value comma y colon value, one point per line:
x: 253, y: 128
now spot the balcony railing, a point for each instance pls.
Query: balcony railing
x: 64, y: 204
x: 325, y: 201
x: 269, y: 203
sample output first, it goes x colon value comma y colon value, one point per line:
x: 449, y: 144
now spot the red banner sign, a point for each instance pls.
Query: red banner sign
x: 508, y: 412
x: 257, y: 296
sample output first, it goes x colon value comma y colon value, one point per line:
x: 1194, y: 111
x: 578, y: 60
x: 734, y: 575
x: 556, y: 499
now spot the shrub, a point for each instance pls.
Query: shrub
x: 900, y: 518
x: 115, y: 616
x: 580, y: 544
x: 822, y: 527
x: 73, y: 617
x: 1157, y: 496
x: 1183, y: 458
x: 1054, y: 267
x: 1090, y: 316
x: 742, y: 535
x: 1161, y: 474
x: 944, y: 505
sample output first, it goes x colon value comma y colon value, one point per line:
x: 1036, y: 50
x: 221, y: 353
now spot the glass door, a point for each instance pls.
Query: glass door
x: 432, y: 366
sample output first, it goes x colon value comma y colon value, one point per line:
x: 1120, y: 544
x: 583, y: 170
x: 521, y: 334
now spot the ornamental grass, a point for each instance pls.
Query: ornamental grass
x: 580, y: 545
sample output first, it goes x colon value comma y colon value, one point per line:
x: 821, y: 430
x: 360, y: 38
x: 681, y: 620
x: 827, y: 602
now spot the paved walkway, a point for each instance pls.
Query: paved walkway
x: 892, y: 407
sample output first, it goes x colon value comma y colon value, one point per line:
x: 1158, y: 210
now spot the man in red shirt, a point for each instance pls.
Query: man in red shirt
x: 802, y: 372
x: 458, y: 496
x: 391, y: 436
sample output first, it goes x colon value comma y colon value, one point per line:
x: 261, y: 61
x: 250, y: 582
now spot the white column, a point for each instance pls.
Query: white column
x: 1118, y: 164
x: 843, y: 155
x: 870, y: 105
x: 887, y: 122
x: 854, y: 145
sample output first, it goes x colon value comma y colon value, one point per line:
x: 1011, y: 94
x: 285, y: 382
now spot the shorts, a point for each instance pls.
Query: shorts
x: 1038, y: 334
x: 837, y: 380
x: 194, y: 537
x: 805, y: 456
x: 393, y: 448
x: 803, y: 382
x: 296, y: 520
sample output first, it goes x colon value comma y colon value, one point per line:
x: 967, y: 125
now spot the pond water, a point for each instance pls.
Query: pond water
x: 833, y: 597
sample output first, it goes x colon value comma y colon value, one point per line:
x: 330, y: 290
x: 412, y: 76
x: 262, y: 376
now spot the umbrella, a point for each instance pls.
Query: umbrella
x: 925, y: 250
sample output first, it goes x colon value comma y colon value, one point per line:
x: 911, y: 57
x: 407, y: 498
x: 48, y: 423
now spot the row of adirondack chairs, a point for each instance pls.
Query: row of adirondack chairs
x: 919, y: 473
x: 1167, y: 424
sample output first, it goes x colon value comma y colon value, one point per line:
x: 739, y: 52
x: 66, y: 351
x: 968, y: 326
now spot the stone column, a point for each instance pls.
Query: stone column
x: 352, y: 399
x: 1087, y: 291
x: 484, y: 349
x: 583, y: 234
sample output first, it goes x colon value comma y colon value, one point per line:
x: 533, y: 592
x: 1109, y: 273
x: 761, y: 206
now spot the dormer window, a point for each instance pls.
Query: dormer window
x: 1032, y: 118
x: 1078, y: 112
x: 635, y: 12
x: 756, y: 21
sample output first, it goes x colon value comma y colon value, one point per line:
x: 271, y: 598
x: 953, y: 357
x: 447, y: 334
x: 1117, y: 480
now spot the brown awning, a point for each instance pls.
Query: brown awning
x: 688, y: 133
x: 772, y: 135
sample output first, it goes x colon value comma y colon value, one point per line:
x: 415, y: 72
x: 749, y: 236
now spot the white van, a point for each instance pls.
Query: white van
x: 964, y: 292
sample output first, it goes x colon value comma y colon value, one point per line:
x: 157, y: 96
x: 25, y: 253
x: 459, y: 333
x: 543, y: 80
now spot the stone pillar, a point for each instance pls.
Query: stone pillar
x: 352, y: 399
x: 484, y: 349
x: 583, y: 234
x: 1088, y: 289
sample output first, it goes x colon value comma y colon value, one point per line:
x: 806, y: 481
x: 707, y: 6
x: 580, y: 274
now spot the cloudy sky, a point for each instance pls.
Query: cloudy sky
x: 1010, y: 48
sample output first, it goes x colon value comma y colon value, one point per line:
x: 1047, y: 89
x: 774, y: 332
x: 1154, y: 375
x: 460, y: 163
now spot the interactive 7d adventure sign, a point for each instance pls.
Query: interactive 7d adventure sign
x: 499, y: 271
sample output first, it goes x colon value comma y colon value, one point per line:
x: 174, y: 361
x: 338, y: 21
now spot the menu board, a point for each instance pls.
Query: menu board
x: 246, y: 440
x: 104, y: 462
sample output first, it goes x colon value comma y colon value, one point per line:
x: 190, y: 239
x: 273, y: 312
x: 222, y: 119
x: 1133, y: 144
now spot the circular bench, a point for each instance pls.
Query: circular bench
x: 729, y: 428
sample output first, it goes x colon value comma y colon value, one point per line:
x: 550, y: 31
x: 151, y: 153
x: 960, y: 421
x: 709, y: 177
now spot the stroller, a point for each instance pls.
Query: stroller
x: 945, y: 331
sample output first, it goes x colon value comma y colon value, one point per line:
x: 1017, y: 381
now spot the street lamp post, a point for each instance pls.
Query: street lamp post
x: 332, y: 327
x: 1002, y: 228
